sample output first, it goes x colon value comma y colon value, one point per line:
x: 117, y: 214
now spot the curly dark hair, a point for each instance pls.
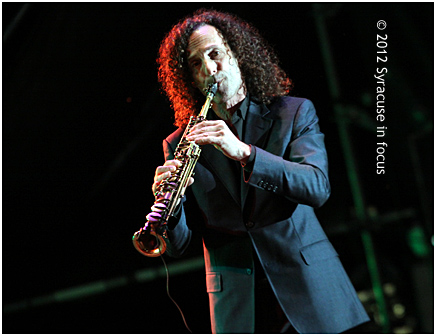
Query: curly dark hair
x: 259, y: 65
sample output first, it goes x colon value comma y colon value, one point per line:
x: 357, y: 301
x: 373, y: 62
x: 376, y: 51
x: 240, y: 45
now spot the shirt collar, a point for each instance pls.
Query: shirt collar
x: 242, y: 110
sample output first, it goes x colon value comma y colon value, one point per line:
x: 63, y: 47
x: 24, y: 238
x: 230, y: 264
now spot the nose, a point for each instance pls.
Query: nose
x: 210, y: 67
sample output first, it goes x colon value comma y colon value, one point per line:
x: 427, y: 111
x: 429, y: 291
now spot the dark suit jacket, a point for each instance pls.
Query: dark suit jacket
x: 273, y: 208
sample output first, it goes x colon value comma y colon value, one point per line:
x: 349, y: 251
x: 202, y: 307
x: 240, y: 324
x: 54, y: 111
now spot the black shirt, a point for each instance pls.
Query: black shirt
x: 237, y: 125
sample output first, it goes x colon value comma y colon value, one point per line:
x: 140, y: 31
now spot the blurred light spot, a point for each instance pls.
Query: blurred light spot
x: 399, y: 310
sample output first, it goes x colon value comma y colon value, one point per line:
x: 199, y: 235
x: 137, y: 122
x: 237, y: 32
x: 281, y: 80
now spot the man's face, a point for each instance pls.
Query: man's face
x: 210, y: 59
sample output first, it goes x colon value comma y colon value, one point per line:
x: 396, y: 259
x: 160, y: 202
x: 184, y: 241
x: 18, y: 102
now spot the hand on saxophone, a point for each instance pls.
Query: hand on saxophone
x: 217, y: 133
x: 162, y: 172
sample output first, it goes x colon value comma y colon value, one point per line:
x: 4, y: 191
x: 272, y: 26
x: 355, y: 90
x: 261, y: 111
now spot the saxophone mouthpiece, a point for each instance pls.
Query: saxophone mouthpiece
x: 212, y: 88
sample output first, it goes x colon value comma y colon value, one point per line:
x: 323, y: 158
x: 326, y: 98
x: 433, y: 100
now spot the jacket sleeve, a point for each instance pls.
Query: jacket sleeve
x: 178, y: 237
x: 301, y: 174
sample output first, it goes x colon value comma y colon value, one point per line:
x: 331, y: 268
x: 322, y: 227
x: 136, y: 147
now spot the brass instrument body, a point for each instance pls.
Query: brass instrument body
x: 149, y: 240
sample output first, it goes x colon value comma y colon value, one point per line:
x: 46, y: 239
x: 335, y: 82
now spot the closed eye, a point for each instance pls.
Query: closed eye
x: 195, y: 63
x: 215, y: 54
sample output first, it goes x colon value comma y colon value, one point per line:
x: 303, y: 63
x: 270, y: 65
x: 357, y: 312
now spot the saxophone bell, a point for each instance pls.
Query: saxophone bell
x: 148, y: 242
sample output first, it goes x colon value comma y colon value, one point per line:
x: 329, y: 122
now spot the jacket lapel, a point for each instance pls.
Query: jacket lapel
x: 257, y: 125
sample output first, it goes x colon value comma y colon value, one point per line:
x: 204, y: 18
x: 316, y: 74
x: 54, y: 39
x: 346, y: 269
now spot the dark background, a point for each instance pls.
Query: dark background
x: 83, y: 123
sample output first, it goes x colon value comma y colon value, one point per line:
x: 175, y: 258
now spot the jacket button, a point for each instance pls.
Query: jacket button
x: 249, y: 271
x: 249, y: 225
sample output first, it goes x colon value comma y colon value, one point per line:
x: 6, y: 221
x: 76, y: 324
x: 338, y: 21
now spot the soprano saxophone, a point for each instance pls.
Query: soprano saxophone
x: 149, y: 240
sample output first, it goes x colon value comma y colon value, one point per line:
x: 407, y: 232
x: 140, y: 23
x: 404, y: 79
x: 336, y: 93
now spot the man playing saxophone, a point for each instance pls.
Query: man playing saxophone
x: 270, y: 267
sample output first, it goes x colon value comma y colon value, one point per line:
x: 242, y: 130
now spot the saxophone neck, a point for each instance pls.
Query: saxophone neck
x: 210, y: 93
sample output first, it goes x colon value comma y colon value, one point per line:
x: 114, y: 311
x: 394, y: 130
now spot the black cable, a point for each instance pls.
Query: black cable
x: 168, y: 292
